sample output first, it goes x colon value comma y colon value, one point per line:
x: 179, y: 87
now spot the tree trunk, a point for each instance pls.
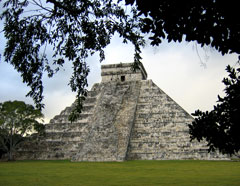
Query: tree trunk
x: 10, y: 156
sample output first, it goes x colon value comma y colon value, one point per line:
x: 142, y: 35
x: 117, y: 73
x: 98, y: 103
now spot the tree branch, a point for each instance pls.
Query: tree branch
x: 41, y: 6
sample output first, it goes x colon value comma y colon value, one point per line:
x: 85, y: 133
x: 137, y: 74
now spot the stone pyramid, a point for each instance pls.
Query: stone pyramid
x: 125, y: 117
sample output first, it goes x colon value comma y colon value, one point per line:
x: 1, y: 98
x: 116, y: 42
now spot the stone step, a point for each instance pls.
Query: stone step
x: 165, y: 156
x: 92, y: 93
x: 61, y: 143
x: 155, y: 124
x: 162, y: 113
x: 159, y: 136
x: 65, y: 127
x: 84, y: 117
x: 151, y: 92
x: 72, y: 146
x: 96, y: 87
x: 136, y: 141
x: 146, y: 118
x: 167, y: 149
x: 66, y: 111
x: 161, y: 145
x: 157, y: 107
x: 90, y: 100
x: 146, y: 152
x: 66, y: 136
x: 155, y: 100
x: 87, y: 108
x: 176, y: 131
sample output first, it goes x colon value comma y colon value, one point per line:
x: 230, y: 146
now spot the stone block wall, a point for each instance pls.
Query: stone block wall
x: 122, y: 72
x: 121, y: 120
x: 161, y: 129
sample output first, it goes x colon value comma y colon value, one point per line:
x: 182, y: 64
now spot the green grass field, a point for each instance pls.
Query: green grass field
x: 57, y: 173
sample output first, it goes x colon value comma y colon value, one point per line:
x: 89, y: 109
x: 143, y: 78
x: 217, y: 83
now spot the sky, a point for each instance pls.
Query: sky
x: 189, y: 74
x: 176, y: 68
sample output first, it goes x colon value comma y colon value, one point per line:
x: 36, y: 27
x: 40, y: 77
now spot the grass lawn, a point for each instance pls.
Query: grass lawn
x: 57, y: 173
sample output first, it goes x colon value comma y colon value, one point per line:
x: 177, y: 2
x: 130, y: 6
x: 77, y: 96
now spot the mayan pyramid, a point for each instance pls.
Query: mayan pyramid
x: 125, y: 117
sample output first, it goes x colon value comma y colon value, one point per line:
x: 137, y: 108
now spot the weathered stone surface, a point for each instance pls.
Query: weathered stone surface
x: 124, y: 117
x: 122, y: 72
x: 161, y: 129
x: 111, y: 124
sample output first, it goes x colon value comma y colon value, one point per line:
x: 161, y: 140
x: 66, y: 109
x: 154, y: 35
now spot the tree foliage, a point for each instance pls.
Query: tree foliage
x: 17, y: 120
x: 76, y: 29
x: 220, y: 127
x: 209, y: 22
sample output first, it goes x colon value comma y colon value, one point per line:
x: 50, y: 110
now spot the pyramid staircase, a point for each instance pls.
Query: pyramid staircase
x: 125, y: 117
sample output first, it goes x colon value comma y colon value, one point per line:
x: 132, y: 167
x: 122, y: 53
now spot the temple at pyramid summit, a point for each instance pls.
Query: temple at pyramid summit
x: 124, y: 117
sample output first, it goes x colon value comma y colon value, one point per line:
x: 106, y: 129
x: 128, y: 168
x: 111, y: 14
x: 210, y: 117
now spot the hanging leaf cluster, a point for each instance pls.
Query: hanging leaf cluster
x: 73, y: 29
